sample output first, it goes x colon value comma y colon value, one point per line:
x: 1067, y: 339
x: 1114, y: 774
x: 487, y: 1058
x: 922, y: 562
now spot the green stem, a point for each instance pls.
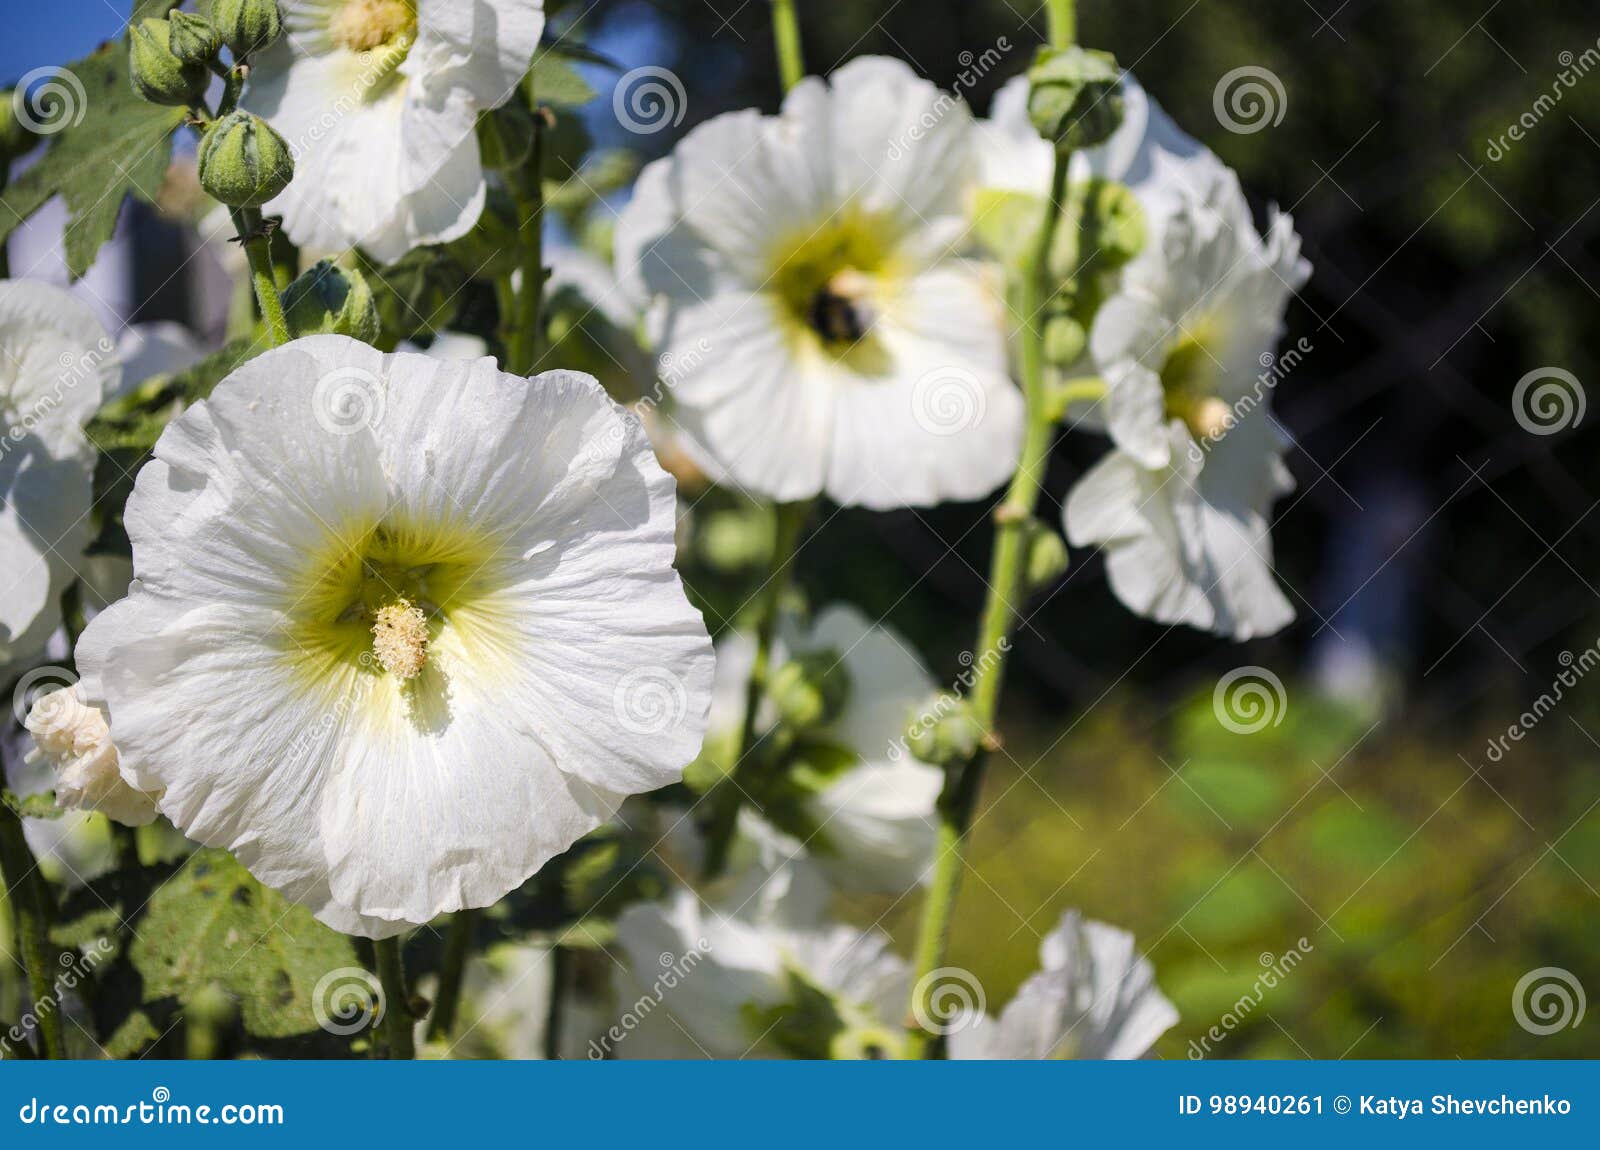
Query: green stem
x: 1063, y: 22
x: 30, y: 905
x: 397, y: 999
x: 786, y: 36
x: 1007, y: 587
x: 560, y: 977
x: 258, y: 250
x: 457, y: 948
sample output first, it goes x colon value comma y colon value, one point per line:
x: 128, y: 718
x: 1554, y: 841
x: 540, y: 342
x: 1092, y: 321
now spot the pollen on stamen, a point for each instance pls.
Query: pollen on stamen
x: 400, y: 639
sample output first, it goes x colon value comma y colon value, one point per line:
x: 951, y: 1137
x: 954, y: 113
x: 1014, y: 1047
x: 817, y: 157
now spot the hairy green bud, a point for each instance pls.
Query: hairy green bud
x: 243, y: 163
x: 1075, y: 96
x: 1047, y: 557
x: 246, y: 26
x: 1113, y: 224
x: 329, y: 299
x: 157, y: 73
x: 944, y: 732
x: 810, y: 689
x: 505, y: 136
x: 193, y: 39
x: 1064, y: 340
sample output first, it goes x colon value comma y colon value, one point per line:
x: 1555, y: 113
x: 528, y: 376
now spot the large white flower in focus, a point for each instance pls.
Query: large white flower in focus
x: 812, y: 314
x: 1095, y: 998
x: 56, y: 366
x: 379, y: 100
x: 871, y: 823
x: 403, y: 629
x: 1181, y: 506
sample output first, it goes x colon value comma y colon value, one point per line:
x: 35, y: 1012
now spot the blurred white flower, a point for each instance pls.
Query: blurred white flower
x: 56, y: 366
x: 869, y: 822
x: 73, y: 738
x: 378, y: 100
x: 1095, y: 998
x: 1180, y: 506
x: 385, y: 612
x: 747, y: 981
x: 809, y: 305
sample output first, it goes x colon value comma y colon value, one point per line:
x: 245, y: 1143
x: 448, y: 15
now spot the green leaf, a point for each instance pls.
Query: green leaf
x: 554, y: 80
x: 135, y: 1033
x: 120, y: 146
x: 214, y: 923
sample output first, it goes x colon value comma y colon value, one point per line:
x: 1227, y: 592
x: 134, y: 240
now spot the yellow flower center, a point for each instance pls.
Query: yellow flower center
x: 363, y: 25
x: 1190, y: 376
x: 830, y: 284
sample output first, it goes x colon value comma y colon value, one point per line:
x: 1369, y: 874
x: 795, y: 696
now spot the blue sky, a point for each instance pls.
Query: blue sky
x: 42, y: 34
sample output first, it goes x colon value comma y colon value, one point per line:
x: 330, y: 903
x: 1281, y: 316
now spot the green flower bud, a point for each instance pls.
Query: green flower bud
x: 1047, y: 556
x: 15, y: 138
x: 1112, y: 223
x: 1075, y: 96
x: 243, y: 163
x: 331, y: 299
x: 1064, y: 340
x: 419, y: 294
x: 246, y: 26
x: 944, y: 732
x: 505, y: 136
x: 737, y: 540
x: 158, y: 75
x: 193, y: 39
x: 810, y: 689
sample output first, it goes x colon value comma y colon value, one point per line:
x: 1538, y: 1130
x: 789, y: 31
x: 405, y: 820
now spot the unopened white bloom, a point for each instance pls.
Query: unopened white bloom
x: 378, y: 100
x: 72, y: 737
x: 1095, y: 998
x: 385, y: 779
x: 737, y: 979
x: 812, y: 314
x: 56, y: 366
x: 874, y: 819
x: 1184, y: 346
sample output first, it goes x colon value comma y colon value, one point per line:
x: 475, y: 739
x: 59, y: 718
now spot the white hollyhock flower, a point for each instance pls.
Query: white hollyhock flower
x: 750, y: 983
x: 1095, y: 998
x: 378, y: 100
x: 1182, y: 506
x: 811, y: 311
x: 71, y: 735
x: 56, y: 366
x: 403, y: 629
x: 870, y: 824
